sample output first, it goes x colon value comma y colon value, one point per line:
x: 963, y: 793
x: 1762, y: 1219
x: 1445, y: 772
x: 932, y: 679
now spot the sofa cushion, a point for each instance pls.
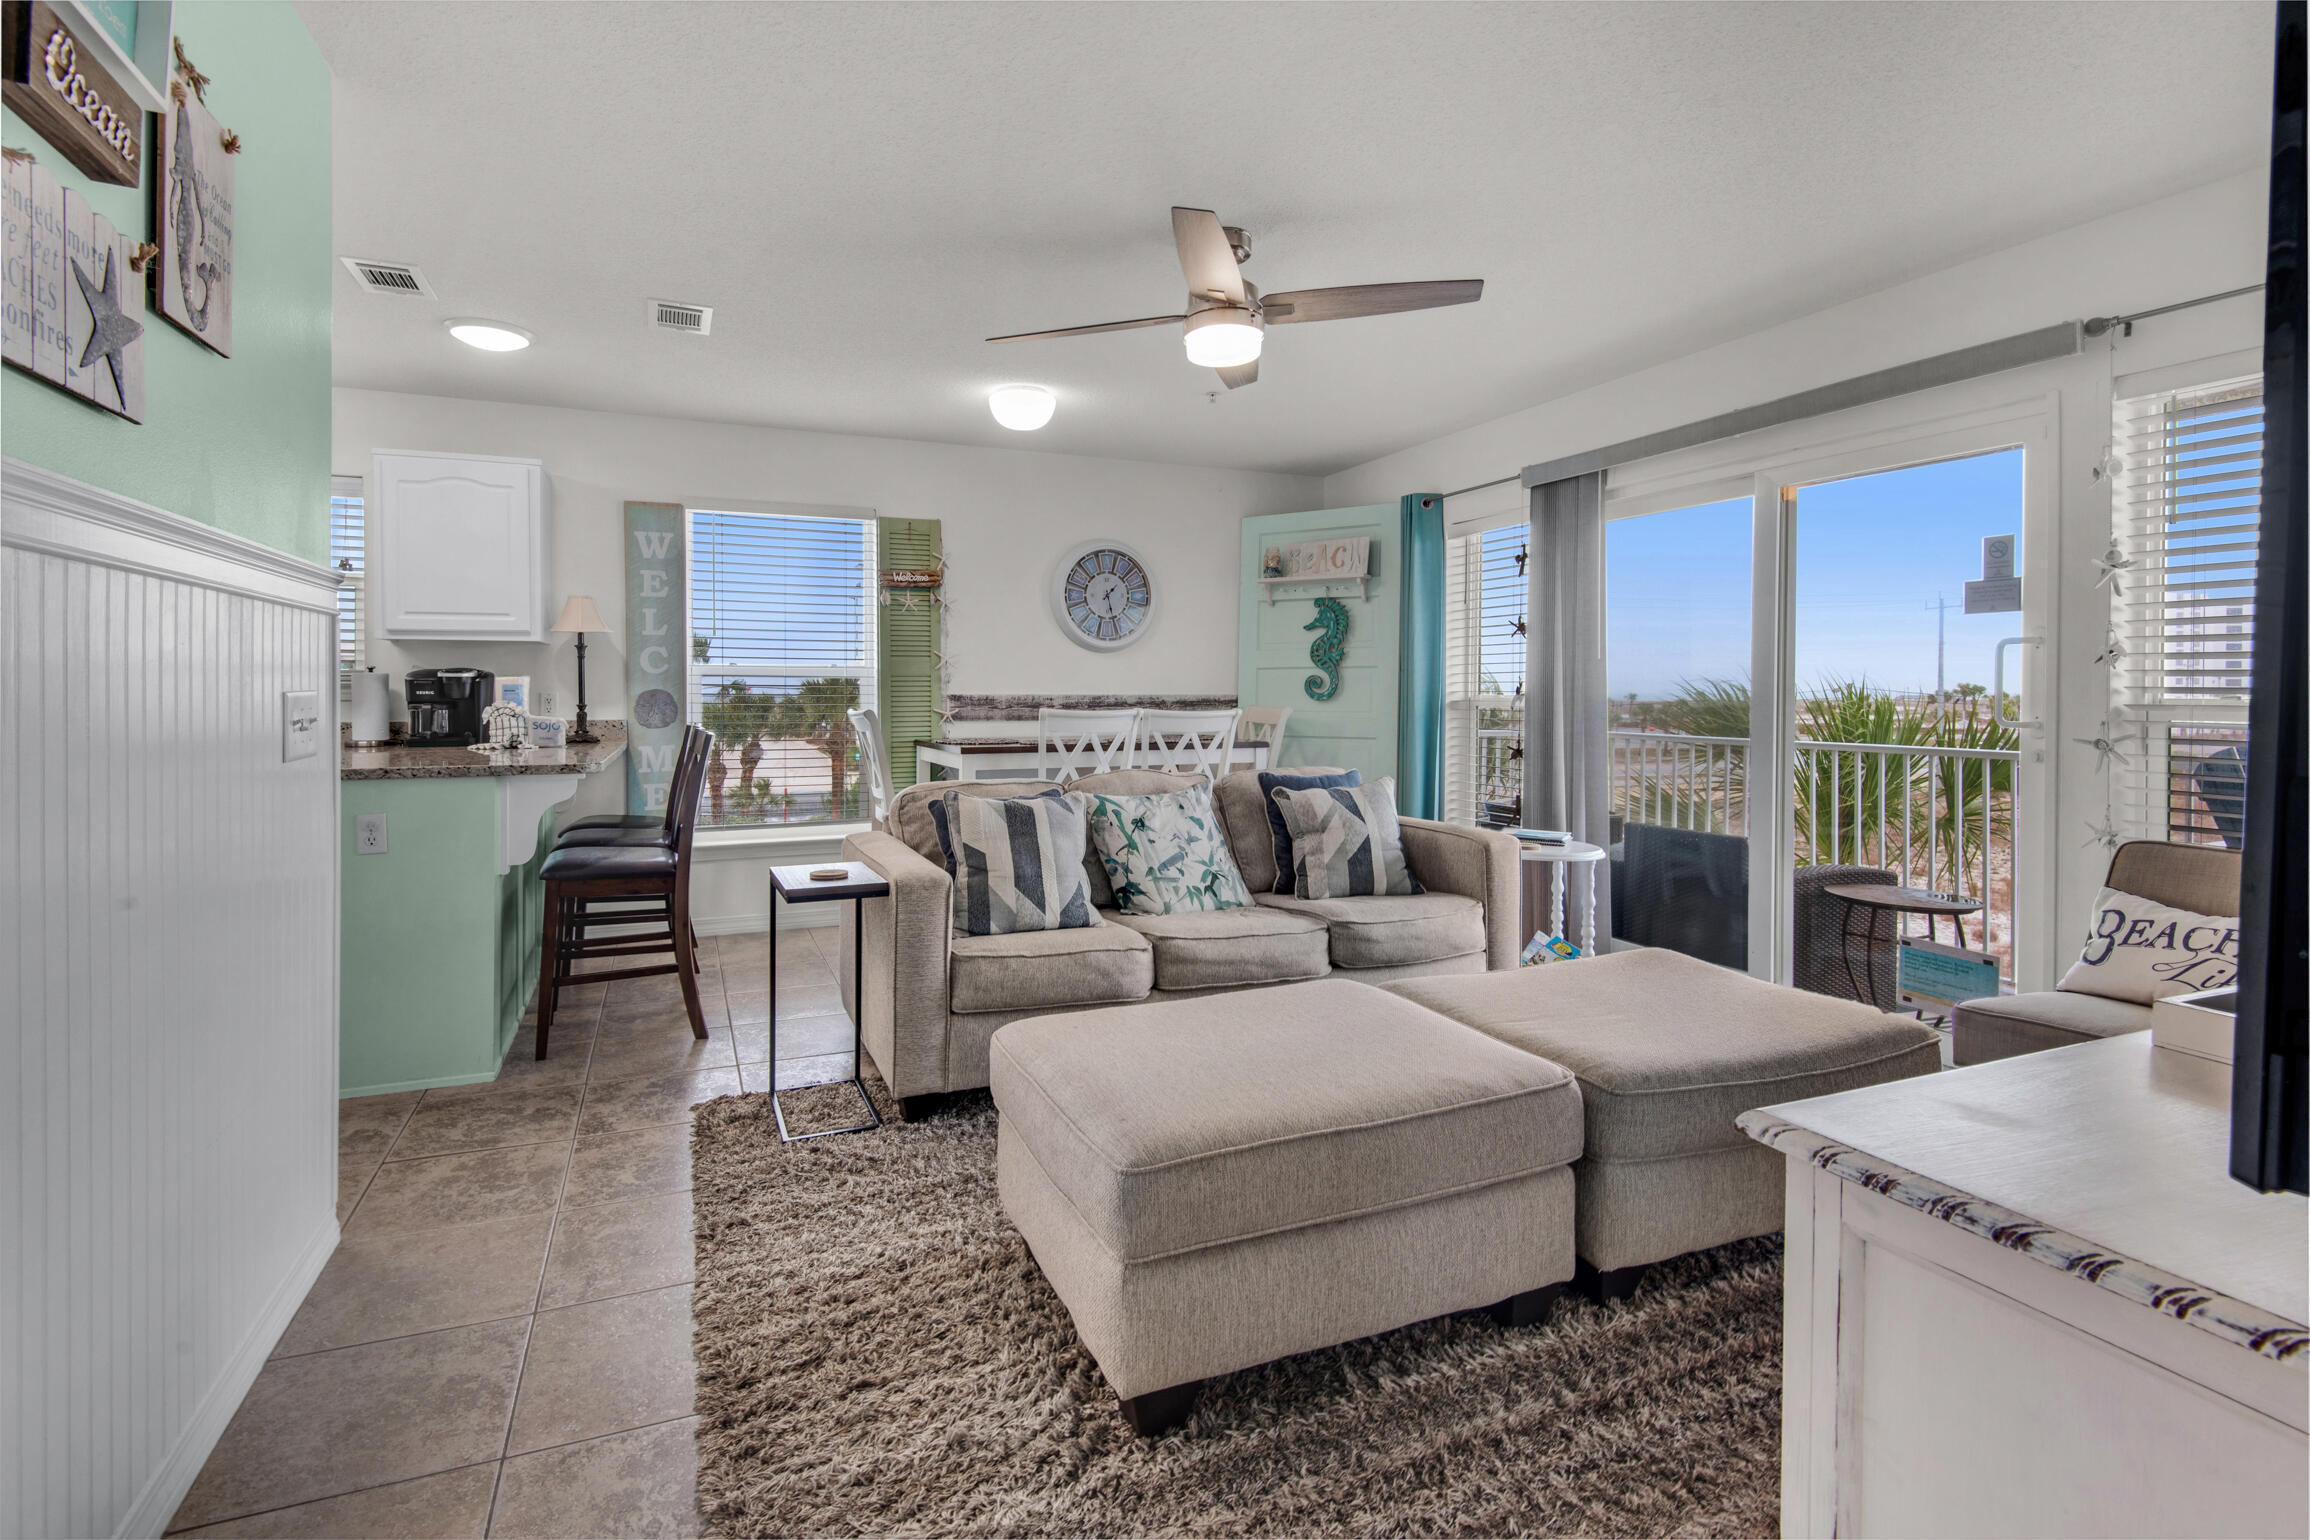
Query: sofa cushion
x: 1232, y: 948
x: 1243, y: 813
x: 910, y: 817
x: 1094, y: 964
x: 1388, y: 930
x: 1180, y: 1125
x: 2004, y: 1026
x: 1669, y: 1049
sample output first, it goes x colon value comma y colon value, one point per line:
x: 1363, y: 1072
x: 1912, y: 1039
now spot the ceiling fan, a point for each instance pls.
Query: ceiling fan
x: 1226, y: 318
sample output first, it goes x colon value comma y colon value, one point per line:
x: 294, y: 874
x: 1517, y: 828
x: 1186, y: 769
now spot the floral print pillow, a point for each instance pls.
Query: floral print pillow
x: 1164, y: 854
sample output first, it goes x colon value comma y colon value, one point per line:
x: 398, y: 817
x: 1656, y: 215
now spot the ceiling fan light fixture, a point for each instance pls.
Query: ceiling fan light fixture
x: 1223, y: 337
x: 1022, y: 408
x: 489, y: 336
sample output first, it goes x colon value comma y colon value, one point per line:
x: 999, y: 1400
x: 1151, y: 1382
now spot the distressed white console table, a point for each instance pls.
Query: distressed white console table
x: 2025, y: 1298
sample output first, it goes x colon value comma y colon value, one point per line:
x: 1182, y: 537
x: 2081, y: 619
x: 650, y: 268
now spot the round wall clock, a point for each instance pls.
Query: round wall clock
x: 1102, y: 596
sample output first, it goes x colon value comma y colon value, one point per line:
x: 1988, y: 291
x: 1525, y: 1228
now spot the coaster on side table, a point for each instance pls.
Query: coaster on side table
x: 829, y: 873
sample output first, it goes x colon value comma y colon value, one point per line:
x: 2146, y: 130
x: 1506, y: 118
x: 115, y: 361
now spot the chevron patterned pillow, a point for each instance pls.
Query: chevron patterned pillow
x: 1345, y: 842
x: 1017, y: 862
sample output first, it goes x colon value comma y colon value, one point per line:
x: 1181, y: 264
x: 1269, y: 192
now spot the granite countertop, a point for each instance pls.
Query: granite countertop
x: 398, y: 763
x: 2107, y: 1161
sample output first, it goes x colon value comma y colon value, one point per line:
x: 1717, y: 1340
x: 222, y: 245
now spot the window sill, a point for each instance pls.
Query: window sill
x: 771, y: 840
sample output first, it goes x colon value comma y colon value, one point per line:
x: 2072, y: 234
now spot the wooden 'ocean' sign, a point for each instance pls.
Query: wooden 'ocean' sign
x: 53, y: 81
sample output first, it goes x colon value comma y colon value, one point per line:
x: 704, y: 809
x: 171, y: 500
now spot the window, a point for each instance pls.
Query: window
x: 348, y: 538
x: 1484, y: 676
x: 2186, y: 509
x: 782, y: 622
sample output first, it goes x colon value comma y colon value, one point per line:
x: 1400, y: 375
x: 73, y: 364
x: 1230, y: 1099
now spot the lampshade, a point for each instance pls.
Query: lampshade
x: 579, y: 614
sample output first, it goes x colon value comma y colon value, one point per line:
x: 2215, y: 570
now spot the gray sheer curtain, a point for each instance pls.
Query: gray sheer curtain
x: 1567, y: 780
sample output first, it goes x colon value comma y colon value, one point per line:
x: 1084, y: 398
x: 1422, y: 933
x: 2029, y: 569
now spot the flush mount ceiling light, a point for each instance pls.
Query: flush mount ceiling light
x: 489, y: 336
x: 1022, y: 407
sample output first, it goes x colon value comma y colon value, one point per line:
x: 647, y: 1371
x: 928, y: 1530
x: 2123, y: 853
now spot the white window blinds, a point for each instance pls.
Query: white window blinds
x: 348, y: 546
x: 2186, y: 509
x: 782, y: 646
x: 1484, y: 675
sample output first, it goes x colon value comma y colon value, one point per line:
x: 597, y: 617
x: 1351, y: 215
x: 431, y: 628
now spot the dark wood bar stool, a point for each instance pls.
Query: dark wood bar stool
x: 640, y: 828
x: 649, y: 882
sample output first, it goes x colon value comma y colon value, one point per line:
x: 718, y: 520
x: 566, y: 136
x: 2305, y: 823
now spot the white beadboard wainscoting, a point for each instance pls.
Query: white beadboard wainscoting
x: 168, y: 1064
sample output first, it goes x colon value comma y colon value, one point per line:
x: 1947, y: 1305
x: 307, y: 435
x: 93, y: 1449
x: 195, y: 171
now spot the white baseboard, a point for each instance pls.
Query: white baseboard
x: 164, y: 1493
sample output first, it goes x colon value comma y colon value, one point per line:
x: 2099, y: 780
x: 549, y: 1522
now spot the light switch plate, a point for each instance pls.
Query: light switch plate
x: 368, y: 834
x: 300, y: 724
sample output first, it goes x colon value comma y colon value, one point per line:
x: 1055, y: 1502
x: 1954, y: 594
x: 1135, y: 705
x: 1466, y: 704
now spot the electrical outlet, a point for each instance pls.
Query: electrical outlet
x: 368, y: 834
x: 300, y: 724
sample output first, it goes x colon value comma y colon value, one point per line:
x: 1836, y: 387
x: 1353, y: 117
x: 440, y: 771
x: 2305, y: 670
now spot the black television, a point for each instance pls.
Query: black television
x: 2270, y: 1083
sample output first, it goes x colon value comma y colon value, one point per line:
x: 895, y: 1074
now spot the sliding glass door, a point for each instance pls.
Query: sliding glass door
x: 1802, y: 700
x: 1677, y: 643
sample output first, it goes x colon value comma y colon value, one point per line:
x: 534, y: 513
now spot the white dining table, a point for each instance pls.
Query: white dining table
x: 1017, y: 759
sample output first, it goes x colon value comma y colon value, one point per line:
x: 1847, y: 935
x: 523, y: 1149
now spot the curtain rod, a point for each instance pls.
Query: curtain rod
x: 2096, y: 326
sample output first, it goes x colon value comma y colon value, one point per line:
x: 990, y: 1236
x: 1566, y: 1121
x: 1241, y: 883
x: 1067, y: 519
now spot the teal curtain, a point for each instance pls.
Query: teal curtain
x: 1420, y: 698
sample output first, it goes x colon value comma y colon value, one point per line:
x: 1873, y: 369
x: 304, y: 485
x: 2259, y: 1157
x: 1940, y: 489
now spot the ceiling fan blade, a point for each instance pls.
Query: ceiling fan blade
x: 1085, y: 331
x: 1205, y: 256
x: 1240, y: 375
x: 1361, y: 299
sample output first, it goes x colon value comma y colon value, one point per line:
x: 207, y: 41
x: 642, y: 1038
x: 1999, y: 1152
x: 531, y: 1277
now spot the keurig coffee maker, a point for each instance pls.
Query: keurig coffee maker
x: 445, y: 706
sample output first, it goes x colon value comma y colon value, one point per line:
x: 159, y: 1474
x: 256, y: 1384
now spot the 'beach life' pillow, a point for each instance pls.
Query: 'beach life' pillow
x: 1017, y: 862
x: 2140, y: 950
x: 1164, y: 853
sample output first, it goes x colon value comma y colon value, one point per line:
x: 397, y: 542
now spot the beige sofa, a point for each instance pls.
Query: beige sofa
x: 2200, y: 878
x: 934, y: 998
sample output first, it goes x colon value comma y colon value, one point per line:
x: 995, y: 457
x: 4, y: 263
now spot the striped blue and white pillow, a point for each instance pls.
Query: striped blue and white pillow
x: 1345, y: 842
x: 1017, y: 862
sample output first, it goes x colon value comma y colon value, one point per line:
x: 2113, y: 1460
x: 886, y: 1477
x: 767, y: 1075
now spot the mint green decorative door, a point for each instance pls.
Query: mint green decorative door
x: 1277, y: 652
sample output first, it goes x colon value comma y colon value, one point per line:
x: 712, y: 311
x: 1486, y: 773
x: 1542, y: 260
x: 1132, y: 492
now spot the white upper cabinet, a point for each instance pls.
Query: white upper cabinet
x: 460, y: 547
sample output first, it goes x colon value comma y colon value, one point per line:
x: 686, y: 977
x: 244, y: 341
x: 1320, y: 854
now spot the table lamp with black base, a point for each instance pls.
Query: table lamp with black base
x: 579, y: 615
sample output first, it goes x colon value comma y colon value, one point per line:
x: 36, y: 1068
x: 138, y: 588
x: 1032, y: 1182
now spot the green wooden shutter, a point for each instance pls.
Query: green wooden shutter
x: 907, y: 645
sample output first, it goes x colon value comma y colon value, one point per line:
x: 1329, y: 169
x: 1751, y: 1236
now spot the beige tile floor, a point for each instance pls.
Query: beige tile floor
x: 501, y: 1343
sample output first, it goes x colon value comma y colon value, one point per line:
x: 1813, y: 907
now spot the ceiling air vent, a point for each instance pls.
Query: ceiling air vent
x: 388, y: 277
x: 674, y: 316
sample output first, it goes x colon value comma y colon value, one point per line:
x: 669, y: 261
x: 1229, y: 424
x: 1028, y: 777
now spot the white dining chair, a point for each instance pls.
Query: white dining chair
x: 1072, y: 743
x: 1264, y: 724
x: 1187, y: 742
x: 874, y: 759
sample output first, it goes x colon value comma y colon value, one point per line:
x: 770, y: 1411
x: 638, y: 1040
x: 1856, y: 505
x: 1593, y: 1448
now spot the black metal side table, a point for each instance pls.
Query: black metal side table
x: 859, y: 883
x: 1876, y: 899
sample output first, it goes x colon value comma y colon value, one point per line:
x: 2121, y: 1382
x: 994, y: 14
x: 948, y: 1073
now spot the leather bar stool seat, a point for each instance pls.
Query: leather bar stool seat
x: 652, y: 832
x: 578, y: 863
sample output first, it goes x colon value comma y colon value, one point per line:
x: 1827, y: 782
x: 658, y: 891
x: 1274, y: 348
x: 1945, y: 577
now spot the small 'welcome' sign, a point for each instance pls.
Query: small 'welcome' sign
x: 657, y: 648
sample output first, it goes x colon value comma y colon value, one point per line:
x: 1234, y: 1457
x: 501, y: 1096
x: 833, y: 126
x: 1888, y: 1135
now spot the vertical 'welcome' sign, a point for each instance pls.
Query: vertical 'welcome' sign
x: 657, y: 648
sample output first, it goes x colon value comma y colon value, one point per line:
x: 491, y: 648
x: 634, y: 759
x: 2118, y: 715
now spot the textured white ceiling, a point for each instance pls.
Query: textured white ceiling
x: 864, y: 191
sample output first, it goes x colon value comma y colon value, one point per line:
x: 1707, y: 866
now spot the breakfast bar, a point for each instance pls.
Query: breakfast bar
x: 441, y: 908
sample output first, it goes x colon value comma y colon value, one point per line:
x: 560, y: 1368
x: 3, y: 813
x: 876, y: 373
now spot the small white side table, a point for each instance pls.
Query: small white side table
x: 1571, y: 853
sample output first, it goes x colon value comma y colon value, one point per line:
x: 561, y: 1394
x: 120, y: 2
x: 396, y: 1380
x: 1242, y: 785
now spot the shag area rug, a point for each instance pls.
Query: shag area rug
x: 879, y: 1355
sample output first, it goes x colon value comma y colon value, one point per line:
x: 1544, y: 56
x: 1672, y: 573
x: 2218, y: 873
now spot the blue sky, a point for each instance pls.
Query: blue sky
x: 1873, y: 552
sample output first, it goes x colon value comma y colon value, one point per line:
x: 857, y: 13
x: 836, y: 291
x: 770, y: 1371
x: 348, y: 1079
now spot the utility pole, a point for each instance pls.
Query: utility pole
x: 1941, y: 650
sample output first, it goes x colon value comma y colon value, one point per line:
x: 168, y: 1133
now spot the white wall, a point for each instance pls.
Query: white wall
x: 2202, y: 242
x: 1006, y: 515
x: 168, y: 1044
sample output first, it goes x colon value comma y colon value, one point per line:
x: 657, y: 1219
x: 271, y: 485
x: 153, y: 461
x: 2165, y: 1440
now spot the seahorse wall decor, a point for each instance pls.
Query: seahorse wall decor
x: 1328, y: 650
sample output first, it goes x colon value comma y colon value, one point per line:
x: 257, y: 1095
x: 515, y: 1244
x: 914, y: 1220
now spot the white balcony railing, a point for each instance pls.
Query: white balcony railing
x: 1937, y: 818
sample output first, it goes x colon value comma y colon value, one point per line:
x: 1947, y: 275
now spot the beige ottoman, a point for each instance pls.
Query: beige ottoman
x: 1211, y: 1184
x: 1669, y: 1050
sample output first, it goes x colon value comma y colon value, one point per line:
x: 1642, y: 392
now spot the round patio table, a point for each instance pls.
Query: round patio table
x: 1877, y: 899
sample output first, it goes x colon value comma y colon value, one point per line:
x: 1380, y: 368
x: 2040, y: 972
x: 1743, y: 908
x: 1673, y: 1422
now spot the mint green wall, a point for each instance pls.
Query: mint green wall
x: 439, y: 951
x: 241, y: 443
x: 1356, y: 728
